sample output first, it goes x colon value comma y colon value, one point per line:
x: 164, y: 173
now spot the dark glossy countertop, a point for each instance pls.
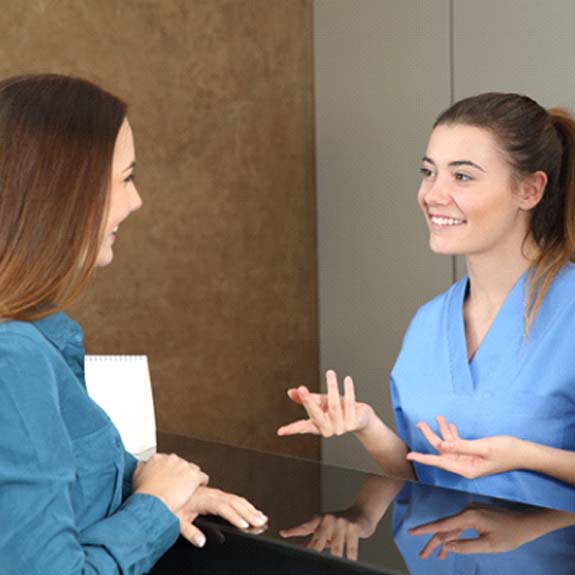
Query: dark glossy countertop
x: 327, y: 507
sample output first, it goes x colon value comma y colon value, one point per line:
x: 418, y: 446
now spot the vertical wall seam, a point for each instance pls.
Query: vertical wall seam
x: 452, y: 96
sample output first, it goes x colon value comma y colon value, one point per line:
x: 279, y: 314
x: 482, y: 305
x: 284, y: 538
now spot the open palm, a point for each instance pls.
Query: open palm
x: 469, y: 458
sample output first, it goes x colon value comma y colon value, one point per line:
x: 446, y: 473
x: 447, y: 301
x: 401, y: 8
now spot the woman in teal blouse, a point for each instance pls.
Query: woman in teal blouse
x: 72, y: 501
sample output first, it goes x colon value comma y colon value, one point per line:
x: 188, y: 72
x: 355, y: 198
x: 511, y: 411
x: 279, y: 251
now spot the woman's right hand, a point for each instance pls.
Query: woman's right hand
x: 329, y: 414
x: 169, y: 478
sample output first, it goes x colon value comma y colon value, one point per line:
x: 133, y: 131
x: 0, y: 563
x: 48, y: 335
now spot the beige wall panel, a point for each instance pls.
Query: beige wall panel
x: 215, y: 278
x: 382, y: 76
x: 523, y: 46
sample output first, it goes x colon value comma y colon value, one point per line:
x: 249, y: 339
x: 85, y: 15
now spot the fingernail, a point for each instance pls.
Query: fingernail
x: 199, y: 540
x: 244, y: 524
x: 261, y: 519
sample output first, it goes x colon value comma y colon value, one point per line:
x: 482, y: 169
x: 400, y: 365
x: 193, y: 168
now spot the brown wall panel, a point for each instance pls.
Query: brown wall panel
x: 215, y: 278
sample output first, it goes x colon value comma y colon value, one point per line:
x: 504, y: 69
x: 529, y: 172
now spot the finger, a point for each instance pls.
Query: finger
x: 440, y: 461
x: 232, y: 515
x: 252, y: 515
x: 302, y: 530
x: 448, y: 538
x: 315, y: 413
x: 192, y: 533
x: 323, y: 533
x: 444, y: 428
x: 334, y: 402
x: 441, y: 525
x: 352, y: 543
x: 429, y: 435
x: 466, y: 447
x: 349, y: 412
x: 465, y: 546
x: 431, y: 546
x: 319, y: 398
x: 454, y: 431
x: 338, y: 537
x: 299, y: 427
x: 200, y: 478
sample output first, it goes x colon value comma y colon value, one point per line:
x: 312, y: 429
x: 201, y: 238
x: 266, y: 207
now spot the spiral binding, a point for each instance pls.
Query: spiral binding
x: 115, y: 357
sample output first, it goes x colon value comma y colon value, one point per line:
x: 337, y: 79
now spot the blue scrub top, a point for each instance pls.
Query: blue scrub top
x: 514, y: 385
x: 65, y: 478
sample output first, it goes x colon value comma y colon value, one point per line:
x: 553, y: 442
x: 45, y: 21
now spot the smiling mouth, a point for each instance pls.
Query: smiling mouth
x: 446, y: 222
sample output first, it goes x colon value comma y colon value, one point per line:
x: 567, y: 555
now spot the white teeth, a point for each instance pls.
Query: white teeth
x: 439, y: 221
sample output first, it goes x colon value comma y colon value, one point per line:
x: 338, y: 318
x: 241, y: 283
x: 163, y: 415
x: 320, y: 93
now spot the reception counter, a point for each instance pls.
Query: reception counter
x: 333, y: 520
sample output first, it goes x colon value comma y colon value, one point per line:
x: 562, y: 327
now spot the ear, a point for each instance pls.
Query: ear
x: 531, y: 190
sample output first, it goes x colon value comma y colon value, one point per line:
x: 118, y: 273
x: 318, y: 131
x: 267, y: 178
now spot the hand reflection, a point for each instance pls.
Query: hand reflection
x: 337, y: 532
x: 340, y: 531
x: 498, y: 530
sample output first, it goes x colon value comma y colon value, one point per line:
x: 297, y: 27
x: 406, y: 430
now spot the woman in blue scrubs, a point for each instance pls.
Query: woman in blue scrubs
x: 72, y: 501
x: 483, y: 389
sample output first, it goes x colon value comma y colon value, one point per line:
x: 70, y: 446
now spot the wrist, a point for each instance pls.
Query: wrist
x: 372, y: 423
x: 164, y: 500
x: 522, y: 454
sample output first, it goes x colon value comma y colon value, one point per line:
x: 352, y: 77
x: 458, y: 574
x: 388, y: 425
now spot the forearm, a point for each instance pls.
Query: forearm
x: 539, y: 523
x: 558, y: 463
x: 375, y: 495
x: 386, y: 448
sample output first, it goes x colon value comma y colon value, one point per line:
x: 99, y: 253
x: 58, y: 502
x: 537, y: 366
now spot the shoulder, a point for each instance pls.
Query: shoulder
x: 20, y: 340
x: 563, y: 286
x: 26, y: 355
x: 559, y: 301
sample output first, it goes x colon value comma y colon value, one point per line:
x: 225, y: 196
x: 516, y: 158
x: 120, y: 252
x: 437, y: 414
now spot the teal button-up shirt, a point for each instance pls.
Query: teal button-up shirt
x: 65, y: 479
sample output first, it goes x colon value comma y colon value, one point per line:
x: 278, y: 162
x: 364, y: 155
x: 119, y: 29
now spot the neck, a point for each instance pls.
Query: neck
x: 492, y: 276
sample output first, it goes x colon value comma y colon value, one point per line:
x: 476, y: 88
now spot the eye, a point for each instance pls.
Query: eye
x: 426, y: 172
x: 130, y: 178
x: 462, y: 177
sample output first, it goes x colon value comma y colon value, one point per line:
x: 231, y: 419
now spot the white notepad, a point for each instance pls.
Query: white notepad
x: 121, y: 386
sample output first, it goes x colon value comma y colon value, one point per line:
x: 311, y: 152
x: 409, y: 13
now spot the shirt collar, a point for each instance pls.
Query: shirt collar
x: 60, y: 330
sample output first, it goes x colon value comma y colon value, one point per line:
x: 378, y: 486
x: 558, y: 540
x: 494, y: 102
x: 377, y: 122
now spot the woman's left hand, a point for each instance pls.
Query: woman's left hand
x: 469, y: 458
x: 235, y: 509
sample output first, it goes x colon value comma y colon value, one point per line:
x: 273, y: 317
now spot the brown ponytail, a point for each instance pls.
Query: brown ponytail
x: 533, y: 140
x: 555, y: 236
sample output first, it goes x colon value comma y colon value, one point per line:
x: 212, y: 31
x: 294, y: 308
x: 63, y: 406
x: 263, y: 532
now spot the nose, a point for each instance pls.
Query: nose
x: 135, y: 200
x: 437, y: 194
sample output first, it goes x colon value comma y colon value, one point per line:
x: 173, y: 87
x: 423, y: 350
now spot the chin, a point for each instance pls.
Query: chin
x: 104, y: 259
x: 445, y: 250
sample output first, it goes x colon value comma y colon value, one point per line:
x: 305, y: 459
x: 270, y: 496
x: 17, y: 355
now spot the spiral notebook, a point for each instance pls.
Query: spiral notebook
x: 121, y: 386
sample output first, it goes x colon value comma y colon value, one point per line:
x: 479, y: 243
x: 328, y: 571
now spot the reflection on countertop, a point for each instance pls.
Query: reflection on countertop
x: 327, y: 519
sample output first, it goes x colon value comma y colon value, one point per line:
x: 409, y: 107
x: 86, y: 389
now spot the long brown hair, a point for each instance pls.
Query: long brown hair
x: 533, y: 139
x: 57, y: 138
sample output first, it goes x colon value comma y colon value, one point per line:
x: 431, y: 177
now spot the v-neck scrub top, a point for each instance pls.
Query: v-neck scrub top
x: 514, y: 385
x: 65, y: 479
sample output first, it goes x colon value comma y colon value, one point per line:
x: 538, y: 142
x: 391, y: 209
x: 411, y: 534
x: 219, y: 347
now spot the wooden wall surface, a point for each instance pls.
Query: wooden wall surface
x: 215, y: 278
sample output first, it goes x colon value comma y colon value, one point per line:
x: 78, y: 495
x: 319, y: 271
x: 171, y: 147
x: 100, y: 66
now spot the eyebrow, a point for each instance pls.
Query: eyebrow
x: 129, y: 167
x: 456, y: 163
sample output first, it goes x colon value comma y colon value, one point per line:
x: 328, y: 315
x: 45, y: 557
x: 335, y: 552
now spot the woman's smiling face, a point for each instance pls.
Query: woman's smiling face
x: 124, y: 197
x: 467, y: 193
